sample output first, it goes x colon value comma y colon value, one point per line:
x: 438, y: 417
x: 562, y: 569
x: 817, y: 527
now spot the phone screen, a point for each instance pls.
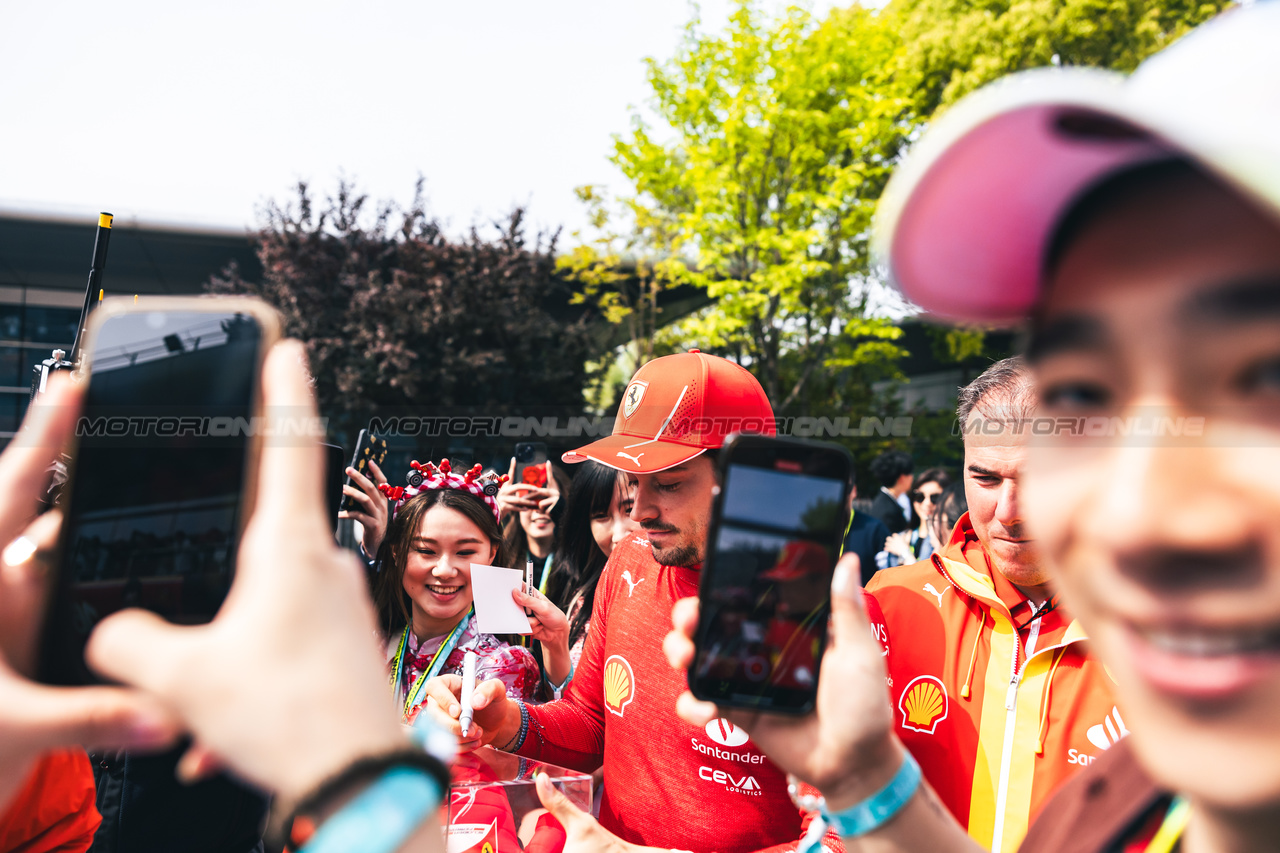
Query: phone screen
x: 154, y: 500
x: 766, y: 586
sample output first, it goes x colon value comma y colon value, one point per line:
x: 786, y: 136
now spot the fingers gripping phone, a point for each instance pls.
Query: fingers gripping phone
x: 778, y: 519
x: 162, y: 474
x: 369, y: 448
x: 531, y: 459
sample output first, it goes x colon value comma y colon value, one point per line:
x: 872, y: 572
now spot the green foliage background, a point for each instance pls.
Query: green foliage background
x: 757, y: 172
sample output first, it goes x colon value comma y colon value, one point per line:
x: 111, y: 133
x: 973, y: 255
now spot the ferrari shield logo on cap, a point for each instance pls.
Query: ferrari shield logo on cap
x: 631, y: 399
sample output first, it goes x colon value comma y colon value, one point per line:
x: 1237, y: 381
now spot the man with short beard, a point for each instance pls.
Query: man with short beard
x: 666, y: 783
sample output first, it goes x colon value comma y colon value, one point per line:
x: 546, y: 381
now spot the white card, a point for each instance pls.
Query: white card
x: 496, y: 611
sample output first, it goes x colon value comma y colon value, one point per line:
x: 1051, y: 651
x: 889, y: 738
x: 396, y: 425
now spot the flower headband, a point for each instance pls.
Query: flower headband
x: 429, y: 478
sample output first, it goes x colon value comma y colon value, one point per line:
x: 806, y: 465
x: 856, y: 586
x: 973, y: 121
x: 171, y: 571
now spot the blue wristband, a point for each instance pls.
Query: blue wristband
x: 878, y: 809
x: 382, y: 817
x: 557, y: 690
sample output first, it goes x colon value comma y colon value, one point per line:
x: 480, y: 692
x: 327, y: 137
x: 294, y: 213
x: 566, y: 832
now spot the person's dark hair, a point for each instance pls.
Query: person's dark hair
x: 1004, y: 392
x: 516, y: 540
x: 579, y: 560
x: 389, y: 596
x: 931, y: 475
x: 928, y: 475
x: 952, y: 504
x: 890, y: 465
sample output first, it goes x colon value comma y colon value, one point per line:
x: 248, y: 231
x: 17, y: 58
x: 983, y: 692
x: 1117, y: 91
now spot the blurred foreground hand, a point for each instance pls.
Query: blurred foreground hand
x: 35, y: 717
x: 286, y: 686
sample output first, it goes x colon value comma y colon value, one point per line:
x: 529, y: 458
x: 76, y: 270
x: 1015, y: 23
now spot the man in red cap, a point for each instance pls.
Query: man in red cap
x: 666, y: 783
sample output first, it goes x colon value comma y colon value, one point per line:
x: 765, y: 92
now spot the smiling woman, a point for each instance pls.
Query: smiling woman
x: 423, y: 595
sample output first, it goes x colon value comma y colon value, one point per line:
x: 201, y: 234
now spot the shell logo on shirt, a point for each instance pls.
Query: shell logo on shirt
x: 924, y: 704
x: 619, y: 684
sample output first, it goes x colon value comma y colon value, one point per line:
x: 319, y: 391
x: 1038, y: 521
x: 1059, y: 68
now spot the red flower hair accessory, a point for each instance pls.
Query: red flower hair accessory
x: 429, y: 478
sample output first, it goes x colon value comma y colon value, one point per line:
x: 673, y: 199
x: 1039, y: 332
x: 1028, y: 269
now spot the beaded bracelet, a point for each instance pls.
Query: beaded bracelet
x: 518, y: 740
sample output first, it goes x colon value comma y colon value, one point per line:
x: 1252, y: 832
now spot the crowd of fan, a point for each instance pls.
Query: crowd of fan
x: 994, y: 640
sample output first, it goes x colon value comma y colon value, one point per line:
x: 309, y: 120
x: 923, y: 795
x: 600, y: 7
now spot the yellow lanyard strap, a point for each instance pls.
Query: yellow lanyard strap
x: 1170, y: 831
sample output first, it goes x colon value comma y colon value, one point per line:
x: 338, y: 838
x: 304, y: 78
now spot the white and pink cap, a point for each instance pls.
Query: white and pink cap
x: 964, y: 224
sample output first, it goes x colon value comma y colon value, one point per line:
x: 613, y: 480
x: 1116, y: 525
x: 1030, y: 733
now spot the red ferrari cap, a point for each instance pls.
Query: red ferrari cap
x: 676, y: 407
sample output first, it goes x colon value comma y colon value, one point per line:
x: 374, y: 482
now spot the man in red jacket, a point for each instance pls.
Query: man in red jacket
x: 992, y: 685
x: 666, y: 783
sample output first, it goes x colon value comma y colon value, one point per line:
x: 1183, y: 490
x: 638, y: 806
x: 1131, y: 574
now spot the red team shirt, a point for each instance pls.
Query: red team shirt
x: 666, y: 783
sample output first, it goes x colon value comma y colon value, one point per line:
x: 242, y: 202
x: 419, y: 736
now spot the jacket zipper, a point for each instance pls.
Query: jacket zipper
x: 1011, y: 715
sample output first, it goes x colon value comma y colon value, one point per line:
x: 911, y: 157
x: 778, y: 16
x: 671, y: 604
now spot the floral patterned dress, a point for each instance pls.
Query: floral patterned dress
x: 513, y: 665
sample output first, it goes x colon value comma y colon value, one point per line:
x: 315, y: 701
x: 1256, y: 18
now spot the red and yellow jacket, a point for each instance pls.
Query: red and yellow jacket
x: 999, y: 702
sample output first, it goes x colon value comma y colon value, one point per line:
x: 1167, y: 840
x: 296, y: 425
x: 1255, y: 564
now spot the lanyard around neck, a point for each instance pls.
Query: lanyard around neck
x: 433, y: 668
x: 1170, y: 831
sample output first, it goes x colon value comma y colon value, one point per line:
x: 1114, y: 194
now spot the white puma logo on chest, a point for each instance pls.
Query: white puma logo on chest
x: 929, y: 589
x: 626, y: 576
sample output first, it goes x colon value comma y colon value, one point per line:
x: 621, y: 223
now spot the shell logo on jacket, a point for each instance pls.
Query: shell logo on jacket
x: 995, y: 696
x: 923, y: 704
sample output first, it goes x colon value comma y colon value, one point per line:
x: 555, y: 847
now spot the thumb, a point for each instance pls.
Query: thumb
x: 569, y: 815
x: 139, y: 648
x: 848, y: 612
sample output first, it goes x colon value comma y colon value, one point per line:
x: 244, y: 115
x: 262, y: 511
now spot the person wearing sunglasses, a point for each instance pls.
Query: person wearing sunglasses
x: 915, y: 543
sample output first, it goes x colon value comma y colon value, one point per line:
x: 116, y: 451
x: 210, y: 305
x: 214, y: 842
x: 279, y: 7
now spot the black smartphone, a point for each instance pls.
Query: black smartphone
x: 162, y: 473
x: 531, y: 460
x: 335, y: 472
x: 778, y: 519
x: 369, y: 448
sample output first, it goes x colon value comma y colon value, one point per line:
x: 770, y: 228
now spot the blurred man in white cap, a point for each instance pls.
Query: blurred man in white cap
x: 1136, y: 224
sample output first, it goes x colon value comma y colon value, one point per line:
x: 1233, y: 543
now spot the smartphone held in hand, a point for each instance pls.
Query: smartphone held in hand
x: 369, y: 448
x: 531, y: 459
x: 778, y: 520
x: 162, y: 473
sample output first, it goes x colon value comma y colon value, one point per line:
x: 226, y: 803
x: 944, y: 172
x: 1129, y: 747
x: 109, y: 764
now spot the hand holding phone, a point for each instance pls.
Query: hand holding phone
x: 778, y: 519
x: 161, y: 472
x: 291, y: 581
x: 33, y: 717
x: 371, y: 450
x: 515, y: 496
x: 369, y: 506
x: 846, y: 748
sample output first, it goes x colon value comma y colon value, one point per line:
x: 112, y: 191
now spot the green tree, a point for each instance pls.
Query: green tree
x: 782, y: 140
x: 951, y: 47
x: 775, y: 139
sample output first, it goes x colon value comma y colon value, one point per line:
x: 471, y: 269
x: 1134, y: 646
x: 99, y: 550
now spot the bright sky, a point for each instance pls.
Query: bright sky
x: 196, y: 113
